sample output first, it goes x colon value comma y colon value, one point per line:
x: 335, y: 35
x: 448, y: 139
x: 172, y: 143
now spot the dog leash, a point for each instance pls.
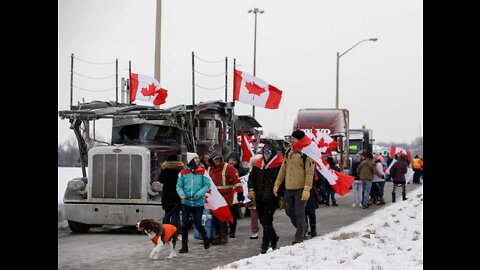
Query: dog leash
x: 171, y: 211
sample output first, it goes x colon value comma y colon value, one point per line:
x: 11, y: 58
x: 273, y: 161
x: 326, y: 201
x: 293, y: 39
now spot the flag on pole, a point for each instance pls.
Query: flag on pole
x: 247, y: 152
x: 146, y: 89
x: 340, y: 182
x: 254, y: 91
x: 215, y: 202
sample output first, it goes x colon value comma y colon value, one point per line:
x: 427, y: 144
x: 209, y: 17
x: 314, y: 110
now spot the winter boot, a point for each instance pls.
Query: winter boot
x: 275, y: 241
x: 313, y: 230
x: 206, y: 241
x: 404, y: 196
x: 382, y: 201
x: 184, y: 248
x: 221, y: 240
x: 393, y: 197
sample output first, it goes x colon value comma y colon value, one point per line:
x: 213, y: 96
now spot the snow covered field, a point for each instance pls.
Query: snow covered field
x: 390, y: 238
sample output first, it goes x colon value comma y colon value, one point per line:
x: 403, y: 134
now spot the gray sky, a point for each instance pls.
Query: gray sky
x: 381, y: 83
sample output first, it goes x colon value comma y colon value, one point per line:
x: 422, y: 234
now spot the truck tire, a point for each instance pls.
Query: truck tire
x: 78, y: 227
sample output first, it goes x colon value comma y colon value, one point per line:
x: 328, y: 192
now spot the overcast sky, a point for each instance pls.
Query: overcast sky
x: 381, y: 83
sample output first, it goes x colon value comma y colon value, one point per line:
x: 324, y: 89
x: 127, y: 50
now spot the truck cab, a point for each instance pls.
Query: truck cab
x: 335, y: 123
x: 122, y: 185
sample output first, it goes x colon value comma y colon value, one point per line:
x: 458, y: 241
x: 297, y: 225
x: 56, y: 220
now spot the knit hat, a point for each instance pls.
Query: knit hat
x: 216, y: 154
x: 298, y: 134
x: 191, y: 156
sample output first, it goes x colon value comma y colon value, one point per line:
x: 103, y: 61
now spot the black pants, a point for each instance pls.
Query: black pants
x: 233, y: 226
x: 265, y: 211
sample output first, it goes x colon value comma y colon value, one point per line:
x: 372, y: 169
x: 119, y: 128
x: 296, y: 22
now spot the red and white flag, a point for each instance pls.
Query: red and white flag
x: 399, y: 151
x: 322, y: 140
x: 146, y: 89
x: 340, y: 182
x: 254, y: 91
x: 215, y: 202
x: 247, y: 152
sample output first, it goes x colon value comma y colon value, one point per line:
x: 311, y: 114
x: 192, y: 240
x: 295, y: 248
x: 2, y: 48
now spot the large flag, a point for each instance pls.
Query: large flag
x: 215, y: 202
x: 247, y: 152
x: 147, y: 89
x: 322, y: 140
x: 340, y: 182
x: 399, y: 151
x: 254, y: 91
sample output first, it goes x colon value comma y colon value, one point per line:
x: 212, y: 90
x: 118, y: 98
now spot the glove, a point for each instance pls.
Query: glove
x: 240, y: 197
x: 275, y: 190
x: 305, y: 193
x: 251, y: 194
x: 281, y: 203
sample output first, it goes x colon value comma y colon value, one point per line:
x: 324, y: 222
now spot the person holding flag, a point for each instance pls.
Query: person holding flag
x: 297, y: 172
x: 226, y: 179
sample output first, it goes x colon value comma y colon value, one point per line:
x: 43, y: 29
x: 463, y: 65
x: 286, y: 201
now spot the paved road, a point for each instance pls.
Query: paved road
x: 124, y: 248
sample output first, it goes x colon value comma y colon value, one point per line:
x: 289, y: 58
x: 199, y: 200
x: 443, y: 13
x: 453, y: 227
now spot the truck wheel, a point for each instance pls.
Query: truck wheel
x: 78, y: 227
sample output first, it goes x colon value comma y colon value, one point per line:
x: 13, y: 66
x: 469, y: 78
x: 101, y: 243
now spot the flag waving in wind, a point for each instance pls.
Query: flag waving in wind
x: 399, y: 151
x: 247, y: 152
x: 340, y: 182
x: 322, y: 140
x: 254, y: 91
x: 215, y: 202
x: 147, y: 89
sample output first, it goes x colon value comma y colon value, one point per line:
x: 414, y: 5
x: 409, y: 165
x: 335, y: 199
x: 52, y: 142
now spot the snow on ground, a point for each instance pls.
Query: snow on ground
x: 390, y: 238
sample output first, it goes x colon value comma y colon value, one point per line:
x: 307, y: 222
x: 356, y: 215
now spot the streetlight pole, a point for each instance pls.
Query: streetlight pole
x: 338, y: 65
x: 255, y: 11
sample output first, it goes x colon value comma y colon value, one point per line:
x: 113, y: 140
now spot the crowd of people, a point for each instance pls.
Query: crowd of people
x: 276, y: 180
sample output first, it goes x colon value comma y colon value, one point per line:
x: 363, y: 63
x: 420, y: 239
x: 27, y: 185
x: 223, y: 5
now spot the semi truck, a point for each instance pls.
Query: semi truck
x: 122, y: 185
x: 361, y: 140
x: 335, y: 123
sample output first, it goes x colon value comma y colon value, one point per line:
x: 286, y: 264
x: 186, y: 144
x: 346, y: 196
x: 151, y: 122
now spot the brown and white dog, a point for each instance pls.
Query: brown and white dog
x: 161, y: 235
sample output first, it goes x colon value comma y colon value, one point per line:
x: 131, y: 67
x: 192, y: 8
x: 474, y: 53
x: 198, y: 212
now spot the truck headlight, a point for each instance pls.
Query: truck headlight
x: 156, y: 186
x: 76, y: 184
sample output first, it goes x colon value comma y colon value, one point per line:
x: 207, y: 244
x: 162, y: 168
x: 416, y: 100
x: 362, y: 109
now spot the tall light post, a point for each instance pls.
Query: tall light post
x: 338, y: 64
x: 255, y: 11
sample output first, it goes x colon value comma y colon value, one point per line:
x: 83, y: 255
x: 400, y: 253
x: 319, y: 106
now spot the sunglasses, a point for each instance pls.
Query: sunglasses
x: 267, y: 151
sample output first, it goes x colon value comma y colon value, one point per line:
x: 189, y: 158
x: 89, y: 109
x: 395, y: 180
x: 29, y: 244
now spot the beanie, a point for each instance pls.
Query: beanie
x: 298, y: 134
x: 191, y: 156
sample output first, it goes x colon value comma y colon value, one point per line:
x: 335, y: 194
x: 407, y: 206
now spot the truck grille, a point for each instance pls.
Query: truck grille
x: 116, y: 176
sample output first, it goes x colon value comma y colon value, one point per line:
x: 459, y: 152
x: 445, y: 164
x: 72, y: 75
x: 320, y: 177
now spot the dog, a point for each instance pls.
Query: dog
x: 161, y: 235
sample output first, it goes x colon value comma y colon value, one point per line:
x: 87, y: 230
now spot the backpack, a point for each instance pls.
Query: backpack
x: 304, y: 157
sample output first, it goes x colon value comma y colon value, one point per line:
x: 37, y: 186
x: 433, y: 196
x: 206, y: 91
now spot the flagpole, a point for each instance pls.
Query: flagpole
x: 234, y: 66
x: 255, y: 11
x: 226, y: 77
x: 116, y: 80
x: 71, y: 82
x: 129, y: 81
x: 193, y: 79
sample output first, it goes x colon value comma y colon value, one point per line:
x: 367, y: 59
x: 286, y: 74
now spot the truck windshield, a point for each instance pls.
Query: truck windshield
x: 144, y: 133
x: 355, y: 146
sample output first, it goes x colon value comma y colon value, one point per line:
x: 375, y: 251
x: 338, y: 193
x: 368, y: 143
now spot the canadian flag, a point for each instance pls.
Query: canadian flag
x: 340, y: 182
x: 399, y: 151
x: 322, y: 140
x: 147, y: 89
x: 254, y: 91
x: 215, y: 202
x: 247, y: 152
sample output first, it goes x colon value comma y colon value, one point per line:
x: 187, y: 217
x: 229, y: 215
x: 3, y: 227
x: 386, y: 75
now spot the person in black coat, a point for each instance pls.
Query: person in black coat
x: 170, y: 199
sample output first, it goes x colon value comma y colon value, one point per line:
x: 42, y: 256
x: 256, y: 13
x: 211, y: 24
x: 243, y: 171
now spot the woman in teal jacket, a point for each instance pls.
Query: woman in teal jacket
x: 192, y: 186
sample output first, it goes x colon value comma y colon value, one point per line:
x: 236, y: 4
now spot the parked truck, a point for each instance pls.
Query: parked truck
x: 121, y: 186
x: 335, y: 123
x: 361, y: 140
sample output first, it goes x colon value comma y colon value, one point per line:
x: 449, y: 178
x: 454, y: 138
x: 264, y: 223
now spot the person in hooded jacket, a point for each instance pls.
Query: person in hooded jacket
x: 397, y: 172
x: 234, y: 160
x: 171, y: 202
x: 260, y: 189
x: 192, y: 186
x: 226, y: 179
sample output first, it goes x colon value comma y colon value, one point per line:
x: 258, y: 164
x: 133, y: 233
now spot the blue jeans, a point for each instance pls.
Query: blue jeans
x: 197, y: 213
x: 382, y: 188
x: 357, y: 191
x: 366, y: 185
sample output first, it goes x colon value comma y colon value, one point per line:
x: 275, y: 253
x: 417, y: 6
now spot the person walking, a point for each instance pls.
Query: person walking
x: 417, y: 166
x: 366, y: 169
x: 261, y: 181
x: 234, y: 160
x: 357, y: 183
x: 398, y: 171
x: 192, y: 186
x: 226, y: 179
x: 171, y: 202
x: 379, y: 182
x: 297, y: 172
